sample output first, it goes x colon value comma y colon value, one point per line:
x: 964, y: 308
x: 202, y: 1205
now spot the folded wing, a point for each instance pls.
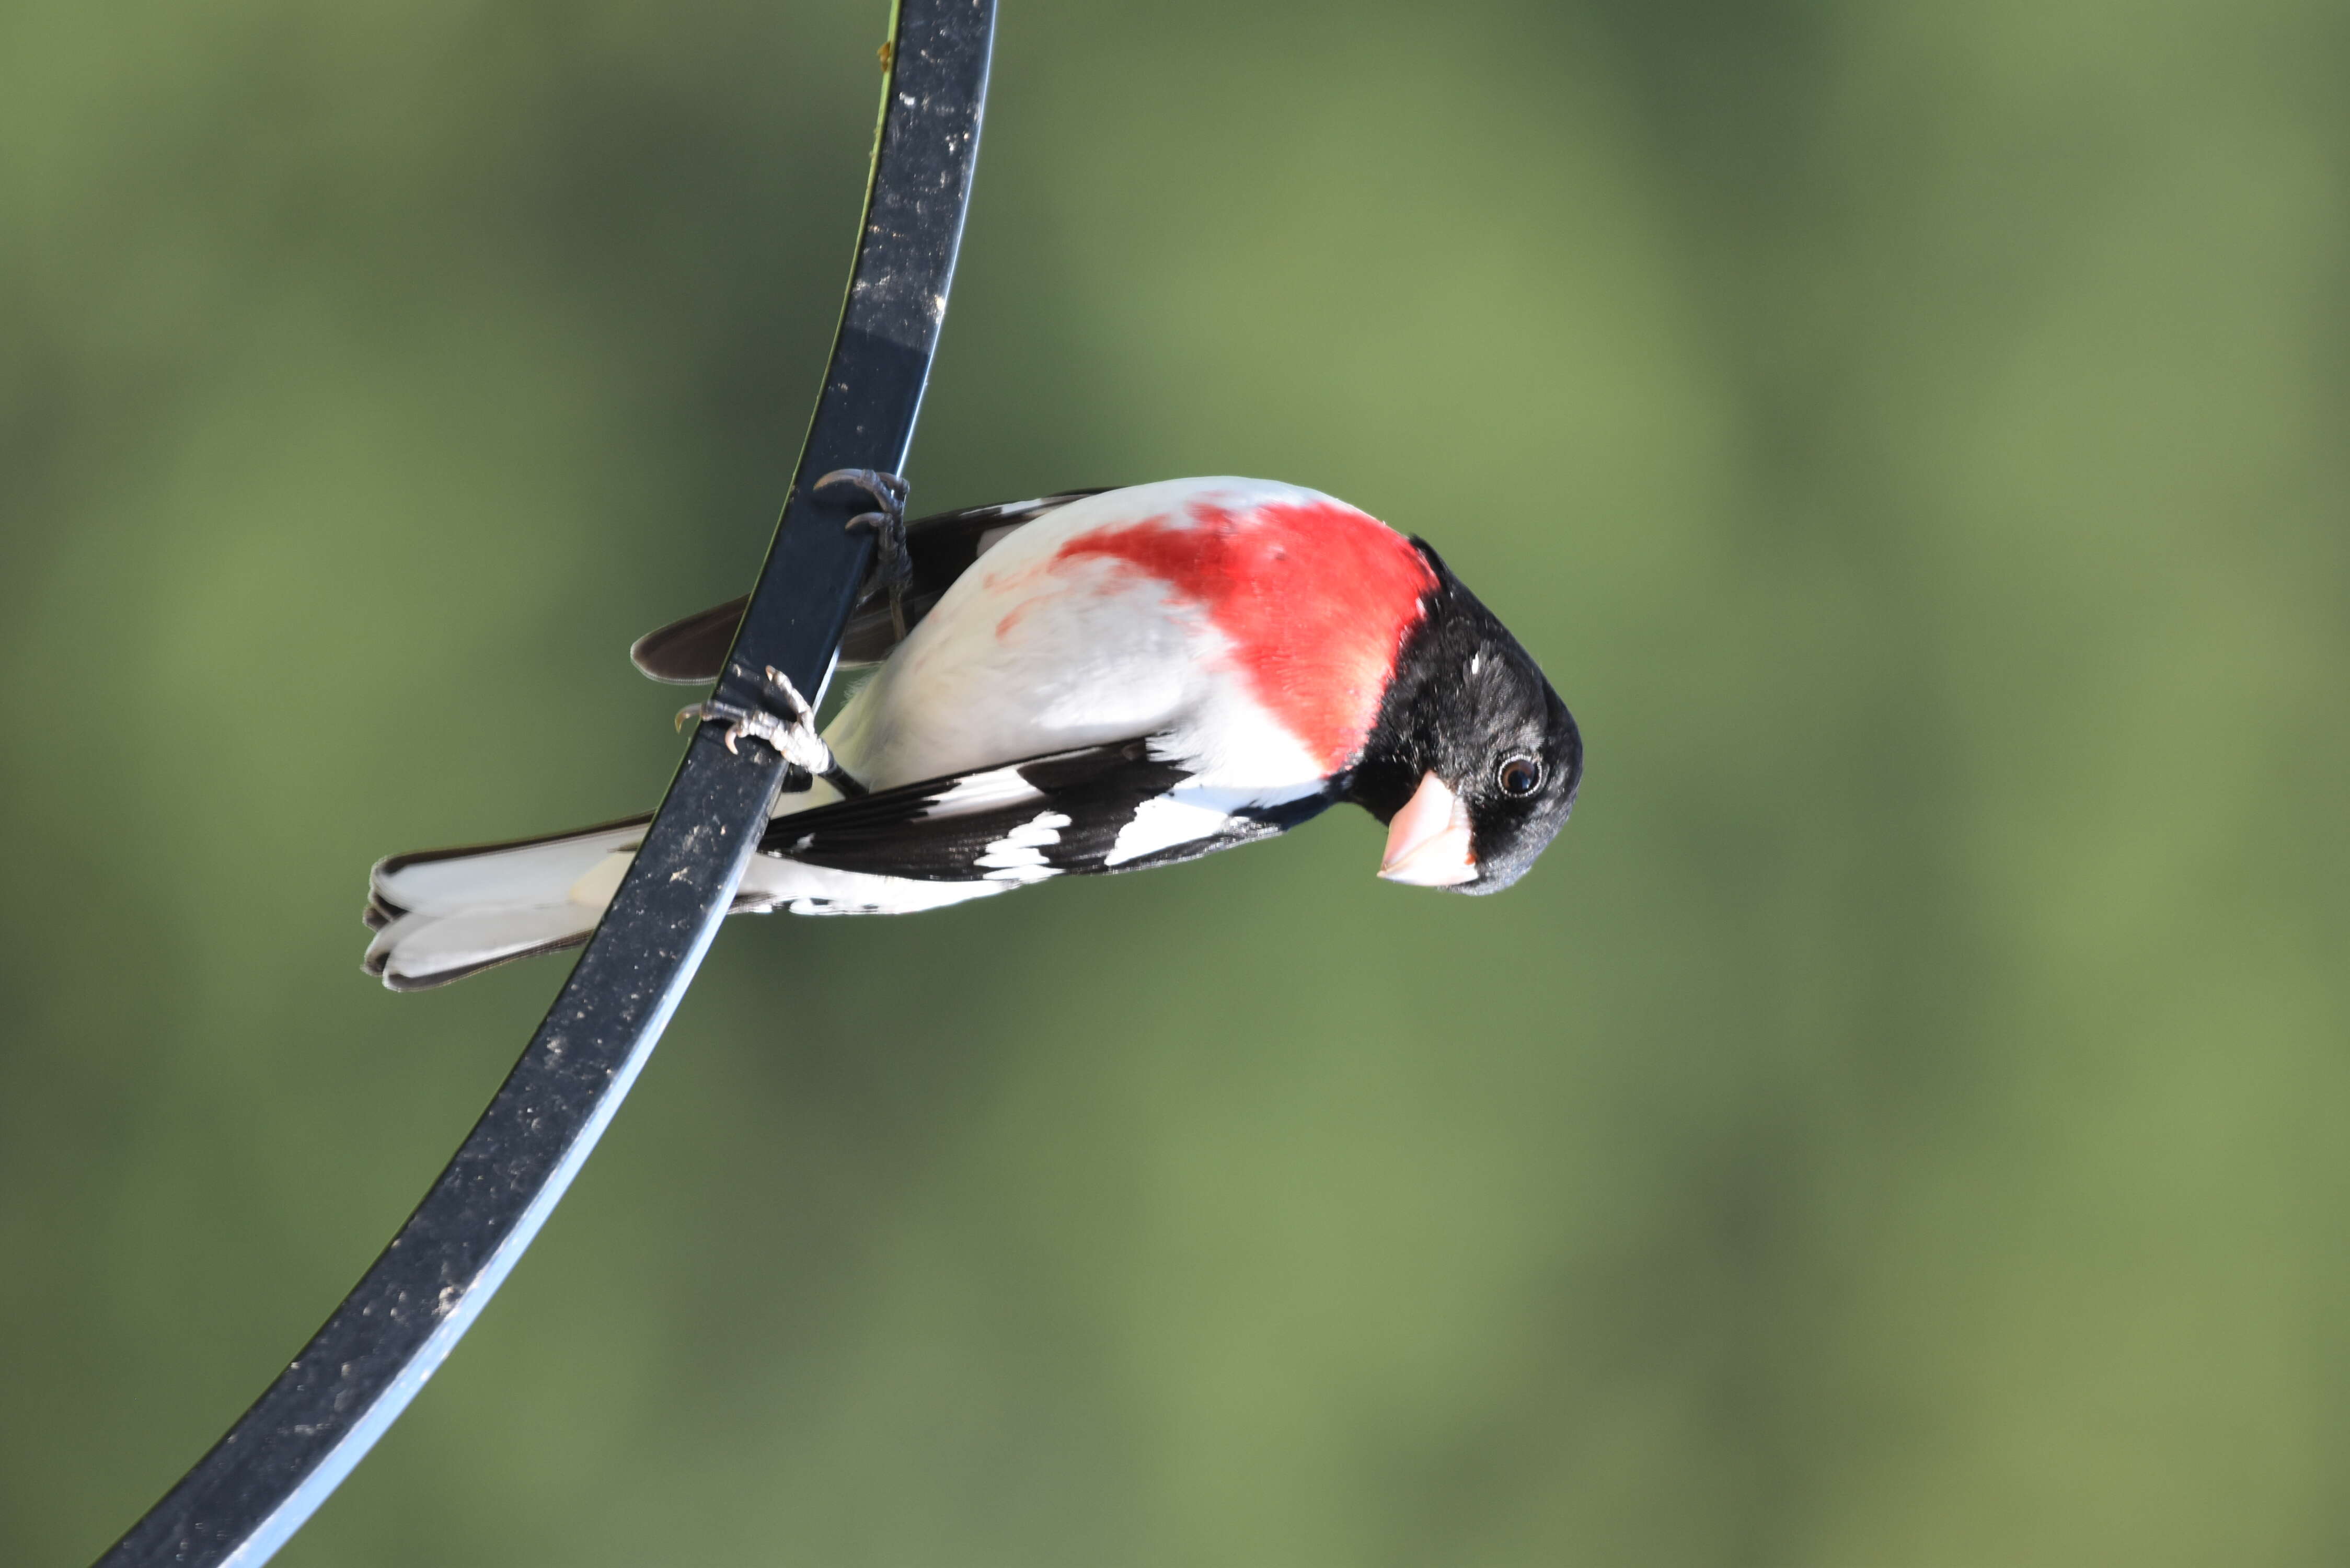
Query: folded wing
x: 1118, y: 807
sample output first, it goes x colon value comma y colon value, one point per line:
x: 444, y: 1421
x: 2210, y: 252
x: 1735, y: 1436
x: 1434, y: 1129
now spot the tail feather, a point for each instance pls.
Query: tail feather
x: 418, y: 951
x: 444, y: 914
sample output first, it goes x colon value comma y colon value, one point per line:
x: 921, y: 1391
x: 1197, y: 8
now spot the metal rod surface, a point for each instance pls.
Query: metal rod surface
x: 287, y: 1453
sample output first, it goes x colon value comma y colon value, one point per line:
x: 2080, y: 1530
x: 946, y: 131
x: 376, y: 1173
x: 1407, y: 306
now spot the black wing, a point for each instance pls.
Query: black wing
x: 1061, y: 812
x: 692, y: 652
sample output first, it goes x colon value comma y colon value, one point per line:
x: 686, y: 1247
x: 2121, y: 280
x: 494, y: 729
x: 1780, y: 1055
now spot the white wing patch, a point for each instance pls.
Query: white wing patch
x: 1019, y: 855
x: 1183, y: 815
x: 772, y: 883
x: 985, y: 792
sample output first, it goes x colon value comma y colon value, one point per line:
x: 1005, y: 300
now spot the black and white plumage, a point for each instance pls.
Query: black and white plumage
x: 1090, y: 682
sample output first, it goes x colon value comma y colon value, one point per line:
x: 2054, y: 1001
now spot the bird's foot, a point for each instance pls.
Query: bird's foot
x: 789, y: 728
x: 892, y: 566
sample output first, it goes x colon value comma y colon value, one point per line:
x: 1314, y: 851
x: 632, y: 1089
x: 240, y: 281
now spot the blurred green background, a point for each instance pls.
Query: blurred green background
x: 1896, y: 1124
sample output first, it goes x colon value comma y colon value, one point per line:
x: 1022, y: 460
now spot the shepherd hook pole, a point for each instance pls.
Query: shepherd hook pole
x: 285, y: 1455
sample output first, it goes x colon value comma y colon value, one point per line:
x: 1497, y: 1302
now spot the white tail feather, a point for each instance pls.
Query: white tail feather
x: 421, y: 949
x: 450, y: 914
x: 447, y: 915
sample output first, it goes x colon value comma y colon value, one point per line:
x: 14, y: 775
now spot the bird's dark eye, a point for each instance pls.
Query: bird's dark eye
x: 1520, y: 776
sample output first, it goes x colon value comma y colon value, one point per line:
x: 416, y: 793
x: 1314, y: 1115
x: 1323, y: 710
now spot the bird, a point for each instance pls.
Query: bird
x: 1091, y: 681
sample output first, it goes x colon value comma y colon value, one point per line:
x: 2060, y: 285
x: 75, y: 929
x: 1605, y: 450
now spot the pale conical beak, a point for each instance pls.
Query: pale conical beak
x: 1428, y: 842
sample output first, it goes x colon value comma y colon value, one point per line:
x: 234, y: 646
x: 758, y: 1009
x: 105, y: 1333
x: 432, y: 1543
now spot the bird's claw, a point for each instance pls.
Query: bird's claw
x: 887, y: 490
x: 792, y: 732
x: 893, y: 567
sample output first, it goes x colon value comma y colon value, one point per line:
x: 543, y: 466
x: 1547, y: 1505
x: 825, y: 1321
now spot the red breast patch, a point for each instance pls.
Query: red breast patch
x: 1315, y: 596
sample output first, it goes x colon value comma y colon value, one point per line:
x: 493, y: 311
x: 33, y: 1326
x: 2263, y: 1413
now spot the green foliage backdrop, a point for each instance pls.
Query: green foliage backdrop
x: 1897, y: 1123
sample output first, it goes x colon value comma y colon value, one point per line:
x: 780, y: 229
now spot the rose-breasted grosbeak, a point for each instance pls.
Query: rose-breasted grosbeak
x: 1092, y: 682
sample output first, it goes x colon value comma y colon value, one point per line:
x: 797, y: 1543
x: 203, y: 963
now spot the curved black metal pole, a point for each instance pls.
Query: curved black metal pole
x: 303, y: 1435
